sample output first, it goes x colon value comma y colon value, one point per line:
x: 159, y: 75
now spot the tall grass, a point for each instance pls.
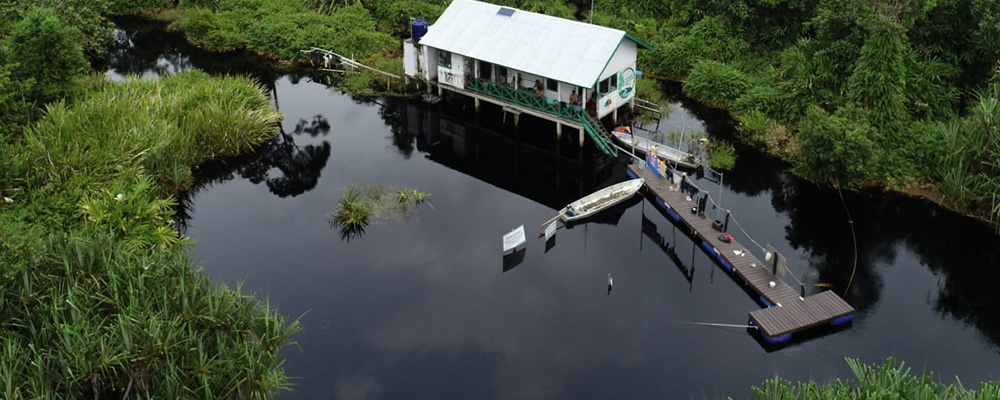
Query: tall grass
x: 95, y: 319
x: 99, y: 298
x: 891, y: 380
x: 162, y: 126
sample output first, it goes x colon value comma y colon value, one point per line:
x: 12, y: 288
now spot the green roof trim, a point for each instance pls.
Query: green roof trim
x: 628, y: 36
x: 638, y: 41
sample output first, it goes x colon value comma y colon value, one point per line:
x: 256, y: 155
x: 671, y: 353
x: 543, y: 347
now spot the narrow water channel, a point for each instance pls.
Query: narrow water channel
x: 426, y: 307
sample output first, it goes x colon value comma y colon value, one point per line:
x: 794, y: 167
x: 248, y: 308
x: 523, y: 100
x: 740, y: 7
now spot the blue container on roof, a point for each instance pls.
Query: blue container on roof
x: 418, y: 28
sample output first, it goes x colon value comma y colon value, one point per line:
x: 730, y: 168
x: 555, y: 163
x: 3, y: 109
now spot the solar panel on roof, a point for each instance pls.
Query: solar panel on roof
x: 506, y: 11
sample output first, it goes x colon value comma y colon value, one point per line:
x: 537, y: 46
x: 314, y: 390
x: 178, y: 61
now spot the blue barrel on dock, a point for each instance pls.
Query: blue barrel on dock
x: 418, y: 28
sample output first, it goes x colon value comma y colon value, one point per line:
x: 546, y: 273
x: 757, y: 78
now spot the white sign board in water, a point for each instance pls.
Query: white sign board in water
x: 513, y: 238
x: 550, y: 230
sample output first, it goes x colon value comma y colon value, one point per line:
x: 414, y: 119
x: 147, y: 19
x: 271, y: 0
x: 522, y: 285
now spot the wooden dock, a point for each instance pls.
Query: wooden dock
x: 787, y: 311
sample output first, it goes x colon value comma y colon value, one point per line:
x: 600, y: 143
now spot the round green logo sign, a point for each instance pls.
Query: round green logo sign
x: 626, y: 82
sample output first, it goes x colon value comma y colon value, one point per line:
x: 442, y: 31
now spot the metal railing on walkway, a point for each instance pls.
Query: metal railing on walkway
x: 528, y: 99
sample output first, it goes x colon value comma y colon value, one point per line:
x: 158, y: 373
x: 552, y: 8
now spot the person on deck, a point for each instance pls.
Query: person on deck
x: 538, y: 88
x: 574, y: 101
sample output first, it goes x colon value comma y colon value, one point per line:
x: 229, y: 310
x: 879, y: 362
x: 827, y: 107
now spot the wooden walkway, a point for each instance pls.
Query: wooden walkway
x: 787, y: 311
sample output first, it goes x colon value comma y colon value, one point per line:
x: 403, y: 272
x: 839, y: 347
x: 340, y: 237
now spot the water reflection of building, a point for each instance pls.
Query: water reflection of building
x: 550, y: 171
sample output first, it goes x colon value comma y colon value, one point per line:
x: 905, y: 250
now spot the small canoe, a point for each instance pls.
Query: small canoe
x: 624, y: 137
x: 600, y: 200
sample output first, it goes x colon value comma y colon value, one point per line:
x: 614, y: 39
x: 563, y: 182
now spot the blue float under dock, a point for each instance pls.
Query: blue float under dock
x: 787, y: 312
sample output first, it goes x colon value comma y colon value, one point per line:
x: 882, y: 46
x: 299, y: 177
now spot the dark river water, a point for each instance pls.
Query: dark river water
x: 426, y: 306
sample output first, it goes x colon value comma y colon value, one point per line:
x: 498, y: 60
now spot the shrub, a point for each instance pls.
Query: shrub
x: 674, y: 58
x: 836, y: 148
x: 763, y: 98
x: 197, y: 24
x: 210, y: 4
x: 134, y: 6
x: 393, y: 16
x: 715, y: 83
x: 754, y: 126
x: 49, y: 56
x: 721, y: 156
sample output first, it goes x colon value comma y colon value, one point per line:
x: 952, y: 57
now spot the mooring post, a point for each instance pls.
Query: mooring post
x: 477, y: 104
x: 581, y: 137
x: 725, y: 225
x: 558, y: 130
x: 803, y: 291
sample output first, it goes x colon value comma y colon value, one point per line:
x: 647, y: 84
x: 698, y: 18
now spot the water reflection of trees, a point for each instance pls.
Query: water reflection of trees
x: 299, y: 166
x: 144, y: 46
x: 286, y: 168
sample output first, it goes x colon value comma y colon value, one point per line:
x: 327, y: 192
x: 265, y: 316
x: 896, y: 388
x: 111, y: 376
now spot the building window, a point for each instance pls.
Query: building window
x: 608, y: 85
x: 444, y: 59
x: 552, y: 85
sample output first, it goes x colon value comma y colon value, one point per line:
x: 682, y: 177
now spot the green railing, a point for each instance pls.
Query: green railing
x: 528, y: 99
x: 600, y: 135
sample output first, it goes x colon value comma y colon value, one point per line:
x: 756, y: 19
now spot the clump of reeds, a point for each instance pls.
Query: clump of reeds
x: 360, y: 206
x: 353, y: 214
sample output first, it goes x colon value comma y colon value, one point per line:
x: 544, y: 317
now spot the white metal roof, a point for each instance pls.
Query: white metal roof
x: 564, y: 50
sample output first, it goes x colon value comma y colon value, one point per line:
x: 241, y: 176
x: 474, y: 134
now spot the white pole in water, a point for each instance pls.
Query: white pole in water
x: 592, y: 11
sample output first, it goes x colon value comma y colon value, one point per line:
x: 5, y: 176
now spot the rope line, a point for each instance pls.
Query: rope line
x: 762, y: 248
x: 719, y: 325
x: 747, y: 234
x: 854, y: 237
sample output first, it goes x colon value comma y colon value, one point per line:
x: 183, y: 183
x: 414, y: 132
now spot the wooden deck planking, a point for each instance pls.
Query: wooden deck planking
x: 815, y: 310
x: 790, y: 313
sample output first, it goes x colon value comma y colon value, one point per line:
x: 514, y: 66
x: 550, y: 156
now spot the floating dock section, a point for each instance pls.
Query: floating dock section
x: 787, y: 312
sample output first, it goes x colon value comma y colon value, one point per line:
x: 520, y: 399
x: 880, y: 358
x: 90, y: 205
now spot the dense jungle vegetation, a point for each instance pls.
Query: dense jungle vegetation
x: 888, y: 93
x: 98, y: 295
